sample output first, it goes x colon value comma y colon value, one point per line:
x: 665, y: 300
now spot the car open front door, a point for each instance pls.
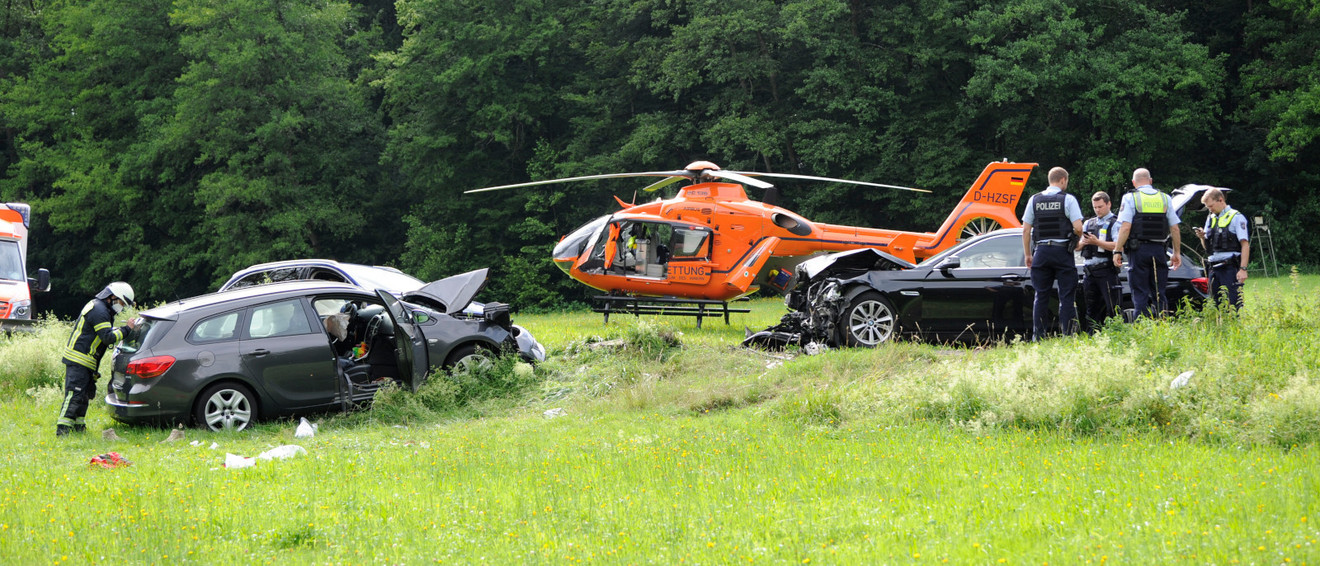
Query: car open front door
x: 410, y: 344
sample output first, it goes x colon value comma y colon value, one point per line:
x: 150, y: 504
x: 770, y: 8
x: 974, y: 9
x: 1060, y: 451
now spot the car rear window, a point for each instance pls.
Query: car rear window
x: 139, y: 335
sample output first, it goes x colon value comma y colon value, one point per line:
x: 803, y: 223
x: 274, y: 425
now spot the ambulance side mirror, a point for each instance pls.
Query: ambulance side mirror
x: 42, y: 282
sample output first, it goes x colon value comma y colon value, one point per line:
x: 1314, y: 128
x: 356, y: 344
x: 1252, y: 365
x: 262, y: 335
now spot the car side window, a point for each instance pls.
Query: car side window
x: 215, y: 329
x: 994, y: 253
x: 284, y: 318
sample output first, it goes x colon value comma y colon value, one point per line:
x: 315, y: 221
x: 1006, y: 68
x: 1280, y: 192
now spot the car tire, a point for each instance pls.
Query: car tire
x: 868, y: 321
x: 467, y: 357
x: 225, y: 406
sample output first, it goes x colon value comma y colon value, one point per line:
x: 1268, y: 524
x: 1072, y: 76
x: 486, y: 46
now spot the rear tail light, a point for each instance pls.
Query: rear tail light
x: 1202, y: 284
x: 147, y: 368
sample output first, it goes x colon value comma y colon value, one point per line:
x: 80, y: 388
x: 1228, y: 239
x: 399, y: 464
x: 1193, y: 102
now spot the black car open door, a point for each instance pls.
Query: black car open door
x: 410, y: 343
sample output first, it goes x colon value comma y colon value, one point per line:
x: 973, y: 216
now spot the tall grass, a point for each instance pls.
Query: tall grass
x: 677, y: 445
x: 30, y: 361
x: 1252, y: 375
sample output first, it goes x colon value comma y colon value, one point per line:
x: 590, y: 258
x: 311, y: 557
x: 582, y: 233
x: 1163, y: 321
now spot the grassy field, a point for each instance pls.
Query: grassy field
x: 677, y: 446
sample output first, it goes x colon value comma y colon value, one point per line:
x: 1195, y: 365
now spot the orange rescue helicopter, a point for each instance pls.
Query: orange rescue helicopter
x: 711, y: 242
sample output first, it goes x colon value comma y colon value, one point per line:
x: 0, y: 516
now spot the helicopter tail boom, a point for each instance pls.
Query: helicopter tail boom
x: 990, y: 204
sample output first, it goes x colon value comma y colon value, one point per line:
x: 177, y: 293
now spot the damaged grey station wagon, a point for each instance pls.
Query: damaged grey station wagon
x: 228, y: 359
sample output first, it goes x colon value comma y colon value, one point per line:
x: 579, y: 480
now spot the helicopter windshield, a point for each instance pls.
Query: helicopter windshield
x: 572, y: 246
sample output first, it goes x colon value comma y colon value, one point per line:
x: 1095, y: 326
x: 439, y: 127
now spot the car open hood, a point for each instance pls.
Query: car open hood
x: 863, y: 258
x: 1188, y: 197
x: 452, y: 293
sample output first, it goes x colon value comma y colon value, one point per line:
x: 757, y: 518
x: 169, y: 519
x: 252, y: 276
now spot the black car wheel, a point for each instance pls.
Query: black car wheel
x: 868, y: 321
x: 226, y: 406
x: 469, y: 357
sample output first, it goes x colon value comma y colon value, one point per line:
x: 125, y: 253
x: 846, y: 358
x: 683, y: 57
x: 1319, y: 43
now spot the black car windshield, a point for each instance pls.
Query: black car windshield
x: 959, y: 249
x: 373, y: 278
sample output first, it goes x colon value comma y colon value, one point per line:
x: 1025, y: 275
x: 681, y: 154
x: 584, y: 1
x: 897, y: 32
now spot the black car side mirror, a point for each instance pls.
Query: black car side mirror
x: 42, y: 282
x: 951, y: 262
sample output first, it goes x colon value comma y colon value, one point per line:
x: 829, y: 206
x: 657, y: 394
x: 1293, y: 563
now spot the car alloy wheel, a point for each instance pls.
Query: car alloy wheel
x: 868, y: 321
x: 226, y: 407
x: 469, y: 358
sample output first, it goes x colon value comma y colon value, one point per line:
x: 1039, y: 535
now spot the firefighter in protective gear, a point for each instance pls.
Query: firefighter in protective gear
x: 1225, y: 240
x: 1052, y: 222
x: 93, y: 332
x: 1147, y: 221
x: 1100, y: 287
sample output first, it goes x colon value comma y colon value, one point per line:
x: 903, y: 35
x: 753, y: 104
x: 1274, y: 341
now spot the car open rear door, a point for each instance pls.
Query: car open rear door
x: 410, y: 344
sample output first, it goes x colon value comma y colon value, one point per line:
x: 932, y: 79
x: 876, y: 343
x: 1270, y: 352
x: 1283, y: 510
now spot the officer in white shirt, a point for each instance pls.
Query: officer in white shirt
x: 1147, y: 222
x: 1224, y: 237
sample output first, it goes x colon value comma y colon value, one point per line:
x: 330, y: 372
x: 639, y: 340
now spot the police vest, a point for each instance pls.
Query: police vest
x: 1050, y: 221
x: 1221, y: 238
x: 1150, y: 223
x: 1104, y: 233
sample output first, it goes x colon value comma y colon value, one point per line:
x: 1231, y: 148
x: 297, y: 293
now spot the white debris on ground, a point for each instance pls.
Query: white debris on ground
x: 1181, y: 381
x: 555, y: 412
x: 813, y: 348
x: 233, y: 461
x: 305, y: 429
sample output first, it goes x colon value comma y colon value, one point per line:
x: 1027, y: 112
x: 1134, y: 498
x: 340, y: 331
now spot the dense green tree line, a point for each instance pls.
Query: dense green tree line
x: 171, y: 142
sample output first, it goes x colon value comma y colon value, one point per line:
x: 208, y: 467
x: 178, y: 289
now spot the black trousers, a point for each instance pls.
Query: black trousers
x: 1051, y: 265
x: 1148, y: 274
x: 1223, y: 283
x: 79, y: 387
x: 1102, y: 294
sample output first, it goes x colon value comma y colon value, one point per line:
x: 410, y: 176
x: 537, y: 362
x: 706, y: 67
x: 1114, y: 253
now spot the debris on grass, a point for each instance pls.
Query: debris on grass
x: 109, y: 460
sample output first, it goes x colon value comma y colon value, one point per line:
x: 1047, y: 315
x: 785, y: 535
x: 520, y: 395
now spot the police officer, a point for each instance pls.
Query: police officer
x: 1100, y: 277
x: 93, y: 332
x: 1147, y: 220
x: 1052, y: 222
x: 1225, y: 239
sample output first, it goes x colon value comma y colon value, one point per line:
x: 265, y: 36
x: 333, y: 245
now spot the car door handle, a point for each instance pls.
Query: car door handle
x: 259, y: 352
x: 1011, y: 277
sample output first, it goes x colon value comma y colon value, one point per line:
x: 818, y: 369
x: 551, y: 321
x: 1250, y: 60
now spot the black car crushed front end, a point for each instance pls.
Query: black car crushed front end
x: 820, y: 298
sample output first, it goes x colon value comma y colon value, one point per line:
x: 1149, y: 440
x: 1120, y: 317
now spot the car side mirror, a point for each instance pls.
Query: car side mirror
x: 951, y: 262
x: 420, y: 317
x: 42, y: 282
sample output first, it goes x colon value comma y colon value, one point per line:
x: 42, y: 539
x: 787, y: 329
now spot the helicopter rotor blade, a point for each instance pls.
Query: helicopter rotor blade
x: 830, y: 179
x: 683, y: 174
x: 737, y: 177
x: 653, y: 187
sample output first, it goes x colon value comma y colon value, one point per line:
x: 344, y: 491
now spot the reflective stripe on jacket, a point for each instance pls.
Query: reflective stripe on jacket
x: 93, y: 332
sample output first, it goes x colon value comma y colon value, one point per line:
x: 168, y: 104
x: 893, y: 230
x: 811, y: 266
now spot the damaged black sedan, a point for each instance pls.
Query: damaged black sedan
x: 978, y: 290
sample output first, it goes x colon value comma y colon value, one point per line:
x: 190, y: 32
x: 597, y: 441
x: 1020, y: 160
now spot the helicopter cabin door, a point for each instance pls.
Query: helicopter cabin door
x: 661, y: 251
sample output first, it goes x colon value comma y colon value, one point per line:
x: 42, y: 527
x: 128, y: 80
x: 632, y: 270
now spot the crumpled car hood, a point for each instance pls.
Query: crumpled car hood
x: 453, y: 293
x: 863, y: 258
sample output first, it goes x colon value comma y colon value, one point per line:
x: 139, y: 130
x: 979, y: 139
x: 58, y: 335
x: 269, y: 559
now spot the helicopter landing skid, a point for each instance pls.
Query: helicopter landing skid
x: 663, y: 306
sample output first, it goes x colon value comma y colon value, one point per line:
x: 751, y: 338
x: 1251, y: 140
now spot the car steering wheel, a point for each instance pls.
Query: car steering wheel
x: 373, y: 327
